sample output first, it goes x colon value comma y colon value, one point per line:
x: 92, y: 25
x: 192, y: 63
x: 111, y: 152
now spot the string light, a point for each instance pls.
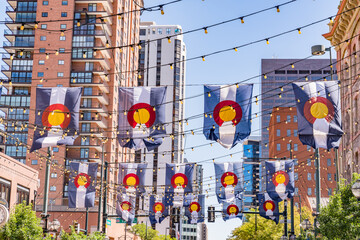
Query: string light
x: 47, y: 56
x: 62, y: 33
x: 162, y: 10
x: 57, y: 52
x: 277, y: 8
x: 169, y: 40
x: 205, y: 30
x: 22, y: 27
x: 84, y: 54
x: 36, y: 25
x: 267, y: 41
x: 107, y: 45
x: 265, y: 77
x: 171, y: 66
x: 242, y: 19
x: 203, y: 58
x: 299, y: 30
x: 292, y: 66
x: 235, y: 49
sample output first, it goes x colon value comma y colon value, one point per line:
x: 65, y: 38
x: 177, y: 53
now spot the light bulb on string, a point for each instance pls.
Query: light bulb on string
x: 299, y: 30
x: 278, y: 9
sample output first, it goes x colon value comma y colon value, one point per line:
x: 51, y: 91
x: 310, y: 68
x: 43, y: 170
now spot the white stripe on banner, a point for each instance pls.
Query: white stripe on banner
x: 81, y: 191
x: 229, y: 189
x: 320, y: 126
x: 280, y: 188
x: 227, y: 130
x: 141, y: 95
x: 57, y: 96
x: 179, y: 191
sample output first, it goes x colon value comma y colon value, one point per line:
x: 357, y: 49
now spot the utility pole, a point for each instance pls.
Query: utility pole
x: 317, y: 163
x: 105, y: 197
x: 285, y: 219
x: 292, y: 230
x: 45, y: 214
x: 101, y: 185
x: 86, y: 221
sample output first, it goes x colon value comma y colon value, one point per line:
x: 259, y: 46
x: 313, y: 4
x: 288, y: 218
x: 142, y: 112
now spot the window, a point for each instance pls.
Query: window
x: 278, y: 132
x: 296, y: 162
x: 61, y: 50
x: 329, y: 176
x: 334, y: 176
x: 63, y: 14
x: 62, y: 26
x: 34, y: 162
x: 41, y: 62
x: 295, y: 132
x: 295, y: 147
x: 309, y: 192
x: 23, y: 194
x: 92, y: 7
x: 87, y: 91
x: 288, y: 118
x: 61, y: 62
x: 84, y: 153
x: 43, y: 26
x: 288, y: 146
x: 44, y: 14
x: 52, y: 188
x: 329, y: 191
x: 40, y: 74
x: 278, y: 147
x: 296, y: 191
x: 64, y: 3
x: 278, y: 119
x: 53, y: 175
x: 59, y: 85
x: 62, y: 38
x: 85, y: 141
x: 159, y: 30
x: 309, y: 162
x: 42, y: 38
x: 296, y: 176
x: 309, y: 176
x: 288, y: 132
x: 329, y: 162
x: 168, y: 31
x: 42, y: 50
x: 40, y: 85
x: 55, y: 149
x: 295, y: 118
x: 5, y: 187
x: 45, y: 3
x: 85, y: 127
x: 60, y: 74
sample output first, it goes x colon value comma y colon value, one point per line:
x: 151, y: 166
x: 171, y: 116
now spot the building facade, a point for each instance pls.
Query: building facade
x: 70, y: 43
x: 161, y: 63
x: 283, y: 138
x: 343, y: 35
x: 276, y: 89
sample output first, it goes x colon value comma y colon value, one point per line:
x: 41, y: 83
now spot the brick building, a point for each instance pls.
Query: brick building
x: 283, y: 131
x: 344, y: 36
x: 68, y: 43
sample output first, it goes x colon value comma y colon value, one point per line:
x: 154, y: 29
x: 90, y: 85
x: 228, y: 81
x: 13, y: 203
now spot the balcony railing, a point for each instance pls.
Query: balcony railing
x: 19, y: 32
x: 18, y: 44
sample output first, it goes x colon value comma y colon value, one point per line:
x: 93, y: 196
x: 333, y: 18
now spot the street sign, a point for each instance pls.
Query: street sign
x: 119, y: 220
x: 108, y: 222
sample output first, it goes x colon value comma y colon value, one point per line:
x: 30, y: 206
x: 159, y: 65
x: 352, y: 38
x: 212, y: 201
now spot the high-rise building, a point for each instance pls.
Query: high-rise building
x: 276, y: 90
x: 162, y: 63
x: 343, y: 32
x: 283, y: 137
x: 70, y: 43
x: 251, y: 152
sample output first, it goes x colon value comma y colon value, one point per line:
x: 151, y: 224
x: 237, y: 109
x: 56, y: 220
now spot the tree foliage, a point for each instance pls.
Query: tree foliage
x: 22, y: 225
x: 340, y: 219
x: 151, y: 234
x: 80, y: 236
x: 267, y: 229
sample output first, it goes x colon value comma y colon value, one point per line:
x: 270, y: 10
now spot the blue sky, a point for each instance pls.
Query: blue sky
x: 234, y: 66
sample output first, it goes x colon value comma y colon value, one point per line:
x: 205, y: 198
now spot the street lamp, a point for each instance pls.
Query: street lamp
x: 355, y: 188
x: 306, y: 224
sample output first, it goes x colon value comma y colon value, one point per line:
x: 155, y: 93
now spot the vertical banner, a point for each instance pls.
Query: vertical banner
x: 132, y: 177
x: 280, y: 179
x: 56, y: 116
x: 158, y: 210
x: 82, y: 184
x: 268, y: 208
x: 232, y: 209
x: 141, y: 117
x: 194, y: 208
x: 228, y: 113
x: 125, y: 207
x: 229, y: 180
x: 319, y: 113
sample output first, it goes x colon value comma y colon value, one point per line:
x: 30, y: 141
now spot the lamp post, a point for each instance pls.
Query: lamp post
x: 306, y: 225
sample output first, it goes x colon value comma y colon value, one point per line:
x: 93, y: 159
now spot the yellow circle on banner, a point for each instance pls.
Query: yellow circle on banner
x: 319, y: 110
x: 158, y: 208
x: 194, y: 207
x: 229, y: 180
x: 131, y: 181
x: 125, y: 206
x: 232, y: 210
x: 141, y: 116
x: 56, y: 118
x: 227, y: 113
x: 268, y: 206
x: 179, y: 181
x: 82, y: 180
x: 280, y: 178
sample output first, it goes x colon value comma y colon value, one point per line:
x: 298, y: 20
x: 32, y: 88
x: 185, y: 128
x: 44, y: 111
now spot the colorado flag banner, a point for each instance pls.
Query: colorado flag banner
x: 125, y: 207
x: 227, y: 113
x: 232, y: 209
x: 132, y: 177
x: 319, y: 113
x: 229, y: 180
x: 268, y: 208
x: 141, y: 117
x: 195, y: 208
x: 56, y: 116
x: 178, y: 181
x: 280, y: 179
x: 82, y: 184
x: 158, y: 210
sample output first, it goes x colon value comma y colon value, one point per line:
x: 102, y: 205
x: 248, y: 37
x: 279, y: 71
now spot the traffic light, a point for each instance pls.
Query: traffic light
x: 77, y: 227
x: 211, y: 214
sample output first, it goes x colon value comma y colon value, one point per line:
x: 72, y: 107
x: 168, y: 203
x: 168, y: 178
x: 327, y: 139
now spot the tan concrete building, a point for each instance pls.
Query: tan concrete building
x: 70, y: 43
x: 18, y: 182
x: 344, y: 36
x: 283, y: 130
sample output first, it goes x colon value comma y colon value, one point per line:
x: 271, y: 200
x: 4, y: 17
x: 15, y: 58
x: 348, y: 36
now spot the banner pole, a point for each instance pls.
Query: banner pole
x: 45, y: 214
x: 317, y: 166
x: 101, y: 186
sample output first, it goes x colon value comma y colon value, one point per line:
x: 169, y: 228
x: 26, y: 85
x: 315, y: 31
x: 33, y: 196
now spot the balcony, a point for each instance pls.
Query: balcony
x: 19, y: 44
x: 100, y: 121
x: 103, y: 61
x: 103, y: 98
x: 104, y: 25
x: 98, y: 133
x: 11, y: 34
x: 106, y: 3
x: 101, y: 109
x: 90, y: 146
